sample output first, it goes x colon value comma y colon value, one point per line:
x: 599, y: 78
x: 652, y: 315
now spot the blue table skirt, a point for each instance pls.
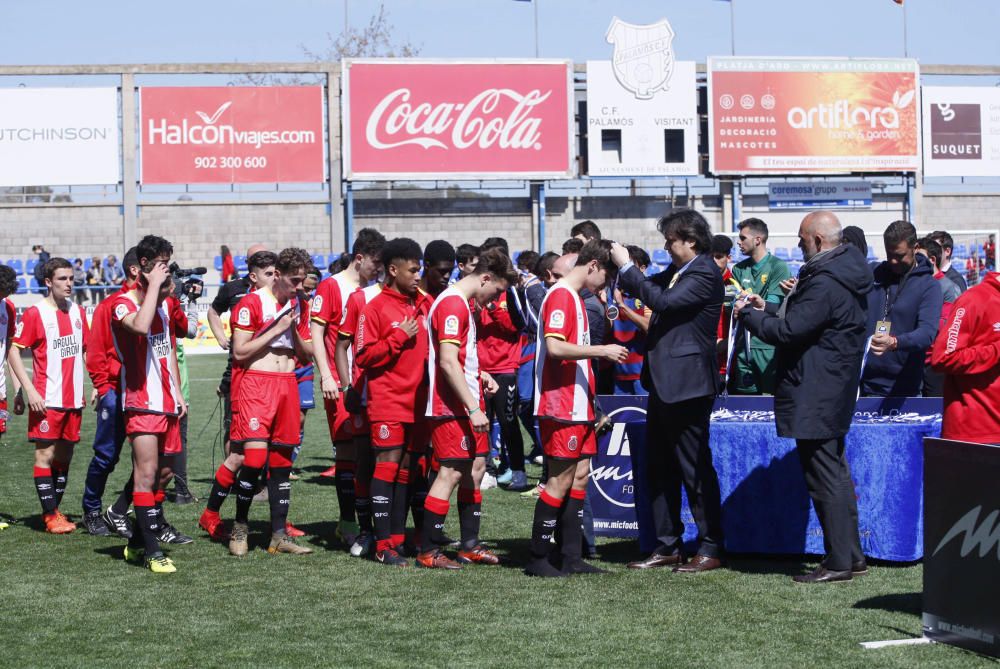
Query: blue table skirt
x: 766, y: 508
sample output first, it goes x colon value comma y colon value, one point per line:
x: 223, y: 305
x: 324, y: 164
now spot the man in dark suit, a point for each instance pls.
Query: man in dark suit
x: 681, y: 374
x: 819, y: 335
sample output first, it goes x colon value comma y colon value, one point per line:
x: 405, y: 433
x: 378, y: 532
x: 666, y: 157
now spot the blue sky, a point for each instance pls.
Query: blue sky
x: 70, y: 31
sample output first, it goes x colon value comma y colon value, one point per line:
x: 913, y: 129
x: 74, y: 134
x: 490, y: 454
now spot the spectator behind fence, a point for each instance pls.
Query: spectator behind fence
x: 855, y: 236
x: 95, y: 279
x: 228, y: 266
x: 79, y: 280
x: 948, y: 248
x: 114, y: 275
x: 39, y: 273
x: 903, y: 313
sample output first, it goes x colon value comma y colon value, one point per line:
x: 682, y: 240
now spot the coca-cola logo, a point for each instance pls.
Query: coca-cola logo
x: 487, y: 119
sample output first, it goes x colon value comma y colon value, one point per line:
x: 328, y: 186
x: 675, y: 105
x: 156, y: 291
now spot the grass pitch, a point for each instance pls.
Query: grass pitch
x: 71, y: 601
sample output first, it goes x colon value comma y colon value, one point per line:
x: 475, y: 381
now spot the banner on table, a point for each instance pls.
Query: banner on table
x: 611, y: 488
x: 641, y: 132
x: 231, y: 134
x: 819, y: 194
x: 59, y: 136
x: 961, y: 131
x: 804, y: 115
x: 426, y: 119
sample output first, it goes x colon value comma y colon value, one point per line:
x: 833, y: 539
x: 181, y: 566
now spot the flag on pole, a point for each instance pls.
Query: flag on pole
x: 898, y: 2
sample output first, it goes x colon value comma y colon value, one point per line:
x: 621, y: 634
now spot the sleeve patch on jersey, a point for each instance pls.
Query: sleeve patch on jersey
x: 18, y: 330
x: 244, y: 317
x: 557, y: 319
x: 317, y: 304
x: 121, y: 311
x: 451, y: 325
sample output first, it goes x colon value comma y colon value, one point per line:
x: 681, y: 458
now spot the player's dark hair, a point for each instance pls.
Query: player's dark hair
x: 526, y: 260
x: 687, y: 225
x: 638, y: 255
x: 8, y: 281
x: 312, y: 270
x: 599, y: 250
x: 944, y: 239
x: 439, y: 251
x: 291, y: 260
x: 494, y: 243
x: 497, y: 264
x: 757, y: 227
x: 466, y: 253
x: 899, y: 232
x: 722, y: 245
x: 572, y: 245
x: 369, y: 243
x: 130, y: 259
x: 933, y: 249
x: 588, y: 229
x: 545, y: 263
x: 150, y: 247
x: 262, y: 260
x: 53, y: 264
x: 401, y: 248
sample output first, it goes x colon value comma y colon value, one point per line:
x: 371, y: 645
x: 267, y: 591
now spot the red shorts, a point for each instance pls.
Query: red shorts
x: 167, y: 429
x: 386, y: 435
x: 453, y: 439
x: 266, y: 409
x: 3, y: 416
x: 55, y: 425
x: 567, y: 441
x: 338, y: 419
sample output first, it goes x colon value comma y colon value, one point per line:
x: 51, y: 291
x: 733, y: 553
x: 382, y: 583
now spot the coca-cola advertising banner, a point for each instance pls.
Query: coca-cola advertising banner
x: 420, y: 119
x: 802, y: 115
x: 231, y: 134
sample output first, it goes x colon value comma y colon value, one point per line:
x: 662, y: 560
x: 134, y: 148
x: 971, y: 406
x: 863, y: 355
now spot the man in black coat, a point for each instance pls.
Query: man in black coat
x: 819, y: 333
x: 681, y: 374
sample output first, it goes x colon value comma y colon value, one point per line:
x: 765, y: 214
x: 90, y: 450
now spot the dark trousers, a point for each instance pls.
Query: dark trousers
x: 109, y: 436
x: 678, y: 454
x: 828, y: 479
x: 503, y: 408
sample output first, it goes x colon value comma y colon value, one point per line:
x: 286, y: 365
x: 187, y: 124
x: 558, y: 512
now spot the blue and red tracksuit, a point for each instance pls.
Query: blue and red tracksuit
x: 627, y: 334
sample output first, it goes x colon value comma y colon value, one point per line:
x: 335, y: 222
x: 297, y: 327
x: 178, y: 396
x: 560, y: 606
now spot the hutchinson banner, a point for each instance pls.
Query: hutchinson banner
x: 961, y: 131
x: 231, y: 134
x: 807, y: 115
x: 426, y: 119
x: 59, y: 136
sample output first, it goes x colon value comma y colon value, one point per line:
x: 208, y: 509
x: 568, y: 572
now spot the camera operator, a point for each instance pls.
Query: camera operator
x: 188, y: 287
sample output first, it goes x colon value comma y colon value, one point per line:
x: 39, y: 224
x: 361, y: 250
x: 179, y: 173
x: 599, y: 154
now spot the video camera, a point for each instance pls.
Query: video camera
x: 187, y: 282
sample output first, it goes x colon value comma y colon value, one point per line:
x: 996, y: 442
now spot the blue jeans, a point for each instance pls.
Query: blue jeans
x: 108, y: 439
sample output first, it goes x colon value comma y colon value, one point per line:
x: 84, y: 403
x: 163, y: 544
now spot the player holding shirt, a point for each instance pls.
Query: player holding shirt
x: 55, y: 330
x: 270, y: 333
x: 456, y: 407
x: 327, y: 313
x: 564, y: 404
x: 392, y: 352
x: 143, y: 327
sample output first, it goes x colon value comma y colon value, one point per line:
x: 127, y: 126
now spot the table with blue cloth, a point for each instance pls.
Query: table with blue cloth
x: 765, y: 506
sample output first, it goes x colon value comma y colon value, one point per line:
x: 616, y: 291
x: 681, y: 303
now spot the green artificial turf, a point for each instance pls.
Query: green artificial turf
x: 71, y: 600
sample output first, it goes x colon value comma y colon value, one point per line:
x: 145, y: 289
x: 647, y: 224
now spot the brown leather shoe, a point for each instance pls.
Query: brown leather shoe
x: 699, y: 563
x: 658, y: 560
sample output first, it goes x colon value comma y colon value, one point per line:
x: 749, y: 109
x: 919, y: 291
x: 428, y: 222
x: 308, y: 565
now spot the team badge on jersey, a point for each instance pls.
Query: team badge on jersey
x: 244, y: 317
x: 451, y: 325
x: 465, y: 443
x: 121, y: 311
x: 43, y: 427
x: 572, y: 443
x: 557, y: 319
x: 254, y: 424
x: 383, y: 432
x: 317, y: 304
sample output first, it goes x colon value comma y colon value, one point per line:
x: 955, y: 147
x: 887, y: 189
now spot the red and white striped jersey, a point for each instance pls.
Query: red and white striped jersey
x: 57, y: 340
x: 8, y: 321
x: 355, y: 305
x: 564, y: 389
x: 329, y: 307
x: 147, y: 382
x: 450, y: 321
x: 256, y: 311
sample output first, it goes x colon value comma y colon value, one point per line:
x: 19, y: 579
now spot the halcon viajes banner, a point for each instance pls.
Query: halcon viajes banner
x: 803, y: 115
x: 231, y: 134
x: 59, y: 136
x: 420, y: 119
x: 961, y: 131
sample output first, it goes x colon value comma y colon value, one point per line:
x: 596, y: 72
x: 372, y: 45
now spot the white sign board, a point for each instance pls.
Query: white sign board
x: 961, y: 131
x: 59, y: 136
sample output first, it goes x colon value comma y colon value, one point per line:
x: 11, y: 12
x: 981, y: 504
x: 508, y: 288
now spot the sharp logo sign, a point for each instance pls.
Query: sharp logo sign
x: 985, y: 535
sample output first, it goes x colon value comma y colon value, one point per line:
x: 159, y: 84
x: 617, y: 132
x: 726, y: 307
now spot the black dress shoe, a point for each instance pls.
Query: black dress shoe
x: 698, y: 564
x: 824, y: 575
x: 859, y: 568
x: 658, y: 560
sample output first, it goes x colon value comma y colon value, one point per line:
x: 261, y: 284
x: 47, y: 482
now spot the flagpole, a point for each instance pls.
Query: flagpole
x: 906, y: 53
x: 732, y: 28
x: 534, y: 5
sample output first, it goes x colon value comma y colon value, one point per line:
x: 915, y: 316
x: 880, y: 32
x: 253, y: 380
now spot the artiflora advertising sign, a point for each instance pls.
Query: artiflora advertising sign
x: 961, y: 131
x: 59, y: 136
x: 804, y: 115
x: 427, y: 119
x: 255, y: 134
